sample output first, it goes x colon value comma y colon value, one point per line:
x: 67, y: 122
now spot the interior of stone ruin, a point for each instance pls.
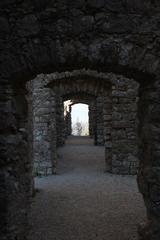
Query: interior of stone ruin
x: 54, y: 55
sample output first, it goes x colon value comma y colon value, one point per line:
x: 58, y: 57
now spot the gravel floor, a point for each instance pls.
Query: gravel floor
x: 84, y: 203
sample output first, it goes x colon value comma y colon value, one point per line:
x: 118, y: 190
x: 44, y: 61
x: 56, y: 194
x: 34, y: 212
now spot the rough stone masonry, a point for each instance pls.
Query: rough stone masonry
x: 121, y: 118
x: 109, y: 36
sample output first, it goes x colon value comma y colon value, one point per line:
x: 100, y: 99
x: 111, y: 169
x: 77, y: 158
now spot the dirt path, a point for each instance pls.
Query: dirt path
x: 84, y: 203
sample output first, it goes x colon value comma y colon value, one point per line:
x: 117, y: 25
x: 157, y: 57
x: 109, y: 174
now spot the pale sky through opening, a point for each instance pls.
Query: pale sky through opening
x: 80, y: 113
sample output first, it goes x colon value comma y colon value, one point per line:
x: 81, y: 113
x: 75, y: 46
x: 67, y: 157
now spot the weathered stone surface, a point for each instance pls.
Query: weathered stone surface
x: 41, y: 37
x: 44, y: 126
x: 123, y: 117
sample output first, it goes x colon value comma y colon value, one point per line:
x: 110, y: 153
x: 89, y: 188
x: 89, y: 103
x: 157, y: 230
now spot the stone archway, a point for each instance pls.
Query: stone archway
x: 114, y: 99
x: 24, y: 138
x: 48, y: 93
x: 74, y: 99
x: 43, y: 41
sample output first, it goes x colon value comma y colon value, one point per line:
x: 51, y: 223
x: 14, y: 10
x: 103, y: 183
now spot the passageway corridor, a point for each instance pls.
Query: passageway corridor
x: 82, y: 202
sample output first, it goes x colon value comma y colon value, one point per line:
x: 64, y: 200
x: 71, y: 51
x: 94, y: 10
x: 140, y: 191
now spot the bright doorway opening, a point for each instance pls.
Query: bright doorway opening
x: 80, y: 119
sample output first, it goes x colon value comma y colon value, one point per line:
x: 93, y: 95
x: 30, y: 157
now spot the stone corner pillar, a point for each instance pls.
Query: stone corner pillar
x: 107, y: 114
x: 44, y: 129
x: 149, y: 151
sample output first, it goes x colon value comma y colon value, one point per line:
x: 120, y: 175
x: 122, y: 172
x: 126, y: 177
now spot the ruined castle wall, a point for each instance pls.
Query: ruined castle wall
x: 124, y: 126
x: 111, y: 36
x: 44, y: 127
x: 60, y: 122
x: 100, y: 120
x: 112, y: 123
x: 68, y: 121
x: 92, y: 118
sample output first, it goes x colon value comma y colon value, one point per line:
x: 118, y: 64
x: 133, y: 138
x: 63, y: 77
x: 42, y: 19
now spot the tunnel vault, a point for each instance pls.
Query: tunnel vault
x: 113, y: 117
x: 121, y: 37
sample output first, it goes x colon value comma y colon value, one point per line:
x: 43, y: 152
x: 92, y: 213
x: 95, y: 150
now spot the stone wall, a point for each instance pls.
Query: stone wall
x: 92, y: 118
x: 60, y: 123
x: 110, y: 36
x: 67, y: 118
x: 44, y: 126
x: 99, y: 120
x: 124, y: 126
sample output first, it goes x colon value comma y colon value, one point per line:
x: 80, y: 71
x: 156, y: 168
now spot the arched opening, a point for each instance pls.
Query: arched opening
x: 107, y: 118
x: 59, y: 91
x: 80, y: 119
x: 44, y: 39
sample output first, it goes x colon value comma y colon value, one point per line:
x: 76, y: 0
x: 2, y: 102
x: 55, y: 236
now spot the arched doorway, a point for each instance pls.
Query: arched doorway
x: 80, y: 123
x: 44, y: 42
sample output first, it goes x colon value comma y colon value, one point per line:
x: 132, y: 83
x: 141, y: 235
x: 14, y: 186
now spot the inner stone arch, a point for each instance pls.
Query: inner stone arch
x: 95, y: 104
x: 72, y: 100
x: 114, y: 105
x: 43, y: 41
x: 145, y: 96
